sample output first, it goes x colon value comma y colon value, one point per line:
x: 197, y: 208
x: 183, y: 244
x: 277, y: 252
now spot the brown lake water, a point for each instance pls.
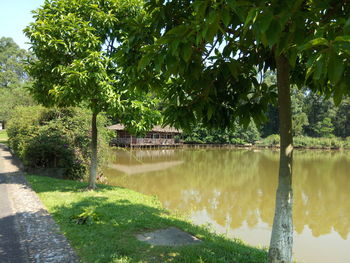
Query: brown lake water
x: 234, y: 191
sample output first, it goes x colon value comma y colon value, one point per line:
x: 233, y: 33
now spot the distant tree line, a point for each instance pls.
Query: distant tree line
x: 313, y: 116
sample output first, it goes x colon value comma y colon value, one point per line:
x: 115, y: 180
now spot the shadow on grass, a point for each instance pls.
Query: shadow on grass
x: 63, y: 185
x: 111, y: 238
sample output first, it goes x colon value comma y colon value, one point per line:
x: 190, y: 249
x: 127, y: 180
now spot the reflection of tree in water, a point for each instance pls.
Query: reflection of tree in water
x: 321, y: 193
x: 240, y: 185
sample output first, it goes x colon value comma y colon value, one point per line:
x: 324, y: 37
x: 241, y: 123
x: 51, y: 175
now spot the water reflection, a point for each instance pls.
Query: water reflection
x: 235, y: 190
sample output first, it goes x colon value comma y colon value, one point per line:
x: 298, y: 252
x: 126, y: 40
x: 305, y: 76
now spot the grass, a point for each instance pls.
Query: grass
x: 3, y: 136
x: 117, y: 214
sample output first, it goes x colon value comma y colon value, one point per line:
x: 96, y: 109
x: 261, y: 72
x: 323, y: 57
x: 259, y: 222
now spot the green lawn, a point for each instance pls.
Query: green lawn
x: 3, y: 136
x: 120, y: 214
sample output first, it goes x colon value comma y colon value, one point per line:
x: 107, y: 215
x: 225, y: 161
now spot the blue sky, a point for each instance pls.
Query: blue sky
x: 15, y: 15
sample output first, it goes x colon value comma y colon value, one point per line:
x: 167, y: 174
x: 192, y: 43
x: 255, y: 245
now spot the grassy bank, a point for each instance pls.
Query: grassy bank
x: 3, y: 137
x: 118, y: 214
x: 304, y: 142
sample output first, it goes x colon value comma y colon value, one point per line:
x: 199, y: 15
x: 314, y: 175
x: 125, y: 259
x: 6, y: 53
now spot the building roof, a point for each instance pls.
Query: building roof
x: 158, y: 128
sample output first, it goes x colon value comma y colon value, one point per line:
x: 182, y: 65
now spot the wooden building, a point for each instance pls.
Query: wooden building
x: 158, y: 136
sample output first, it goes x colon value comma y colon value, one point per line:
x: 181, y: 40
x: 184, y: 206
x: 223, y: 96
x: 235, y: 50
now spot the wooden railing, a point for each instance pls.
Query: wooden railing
x: 144, y: 141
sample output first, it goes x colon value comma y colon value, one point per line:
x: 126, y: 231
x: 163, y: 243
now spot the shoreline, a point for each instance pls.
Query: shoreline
x: 228, y: 146
x: 119, y: 214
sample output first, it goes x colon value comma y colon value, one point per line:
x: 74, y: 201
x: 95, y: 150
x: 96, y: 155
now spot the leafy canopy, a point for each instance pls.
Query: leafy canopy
x: 13, y: 78
x: 12, y: 72
x: 209, y: 55
x: 75, y: 42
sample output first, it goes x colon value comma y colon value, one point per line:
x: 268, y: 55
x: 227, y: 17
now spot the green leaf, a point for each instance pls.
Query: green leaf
x: 335, y: 68
x: 180, y: 30
x: 226, y: 17
x: 320, y: 41
x: 273, y: 33
x: 320, y: 61
x: 201, y: 7
x: 186, y: 52
x: 144, y: 61
x: 233, y: 69
x: 338, y: 94
x: 347, y: 26
x: 293, y: 54
x: 212, y: 30
x: 345, y: 38
x: 252, y: 14
x: 264, y: 20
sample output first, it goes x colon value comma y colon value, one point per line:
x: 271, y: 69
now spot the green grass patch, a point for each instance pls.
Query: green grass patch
x: 3, y: 137
x: 101, y: 226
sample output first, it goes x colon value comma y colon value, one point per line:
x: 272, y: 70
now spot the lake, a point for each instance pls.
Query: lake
x: 233, y: 191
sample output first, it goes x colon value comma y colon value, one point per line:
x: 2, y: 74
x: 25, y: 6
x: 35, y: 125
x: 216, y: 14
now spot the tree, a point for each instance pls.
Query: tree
x: 75, y: 43
x: 324, y: 128
x: 12, y: 72
x: 299, y: 117
x: 209, y: 54
x: 341, y: 120
x: 234, y: 135
x: 13, y: 78
x: 317, y: 109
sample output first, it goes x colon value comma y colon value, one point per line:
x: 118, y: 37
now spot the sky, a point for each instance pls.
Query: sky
x: 15, y: 15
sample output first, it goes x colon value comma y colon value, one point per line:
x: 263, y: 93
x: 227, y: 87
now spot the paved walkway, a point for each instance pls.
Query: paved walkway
x: 28, y: 234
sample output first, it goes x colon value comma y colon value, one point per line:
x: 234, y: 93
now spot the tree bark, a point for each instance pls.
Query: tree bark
x: 281, y: 243
x: 93, y: 165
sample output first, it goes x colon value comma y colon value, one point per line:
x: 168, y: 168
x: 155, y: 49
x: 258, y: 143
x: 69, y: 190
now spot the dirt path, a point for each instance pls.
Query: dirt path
x: 27, y: 232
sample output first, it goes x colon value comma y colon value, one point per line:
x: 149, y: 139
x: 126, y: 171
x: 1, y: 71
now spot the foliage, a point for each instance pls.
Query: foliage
x: 209, y: 54
x: 271, y: 126
x: 299, y: 117
x: 12, y: 72
x: 272, y: 140
x: 11, y: 98
x: 13, y: 78
x: 123, y: 213
x: 237, y: 135
x: 75, y: 43
x: 341, y: 120
x: 3, y: 136
x: 55, y: 138
x: 204, y: 52
x: 312, y: 115
x: 307, y: 142
x: 88, y: 217
x: 22, y: 125
x: 324, y: 128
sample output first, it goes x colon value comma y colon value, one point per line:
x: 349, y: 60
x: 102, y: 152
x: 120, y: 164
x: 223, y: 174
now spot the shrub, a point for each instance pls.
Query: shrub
x: 270, y: 141
x: 22, y: 126
x: 346, y: 143
x: 56, y: 138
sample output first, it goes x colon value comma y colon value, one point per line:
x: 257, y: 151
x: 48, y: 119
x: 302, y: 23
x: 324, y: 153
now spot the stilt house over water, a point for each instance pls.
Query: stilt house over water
x: 158, y: 136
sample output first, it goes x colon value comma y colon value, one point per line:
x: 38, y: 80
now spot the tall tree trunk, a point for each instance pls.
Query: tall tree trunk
x: 93, y: 165
x: 281, y: 243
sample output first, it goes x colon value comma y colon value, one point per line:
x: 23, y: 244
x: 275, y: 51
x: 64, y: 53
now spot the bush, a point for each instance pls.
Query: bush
x: 56, y: 138
x: 346, y: 143
x: 307, y: 142
x: 270, y: 141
